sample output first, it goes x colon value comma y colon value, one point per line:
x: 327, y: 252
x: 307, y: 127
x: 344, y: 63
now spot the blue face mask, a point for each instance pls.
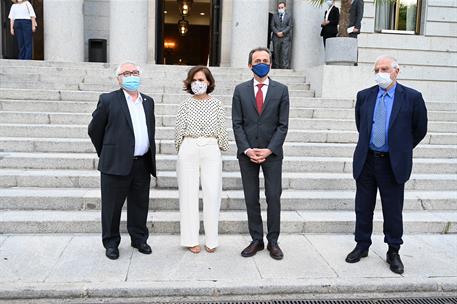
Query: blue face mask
x: 131, y: 83
x: 261, y: 69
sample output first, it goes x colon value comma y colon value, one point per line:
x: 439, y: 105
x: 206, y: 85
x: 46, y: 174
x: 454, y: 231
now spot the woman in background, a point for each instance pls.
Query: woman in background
x: 22, y: 24
x: 331, y: 20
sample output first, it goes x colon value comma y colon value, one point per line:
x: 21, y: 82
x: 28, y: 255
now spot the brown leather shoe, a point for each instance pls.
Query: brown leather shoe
x: 252, y: 249
x: 275, y: 251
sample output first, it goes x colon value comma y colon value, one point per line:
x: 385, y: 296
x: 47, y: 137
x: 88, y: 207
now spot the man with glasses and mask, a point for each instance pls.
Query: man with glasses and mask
x: 260, y: 117
x: 391, y: 120
x: 122, y: 130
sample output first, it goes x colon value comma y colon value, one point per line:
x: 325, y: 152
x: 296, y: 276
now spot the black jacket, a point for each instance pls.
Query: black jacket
x: 111, y: 132
x: 331, y: 29
x: 407, y: 127
x: 267, y: 130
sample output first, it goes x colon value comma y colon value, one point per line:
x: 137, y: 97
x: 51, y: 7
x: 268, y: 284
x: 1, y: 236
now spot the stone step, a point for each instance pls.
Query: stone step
x: 100, y: 88
x: 84, y: 115
x: 83, y: 145
x: 153, y: 72
x: 304, y: 136
x: 89, y: 199
x: 230, y: 180
x: 229, y: 222
x: 98, y: 68
x: 170, y: 121
x: 88, y: 161
x: 20, y: 99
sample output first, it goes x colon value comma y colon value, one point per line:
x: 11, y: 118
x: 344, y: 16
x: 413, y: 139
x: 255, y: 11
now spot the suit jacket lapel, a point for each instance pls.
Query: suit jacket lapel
x: 251, y: 95
x: 398, y: 101
x: 125, y: 108
x: 147, y: 111
x: 372, y: 98
x: 271, y: 87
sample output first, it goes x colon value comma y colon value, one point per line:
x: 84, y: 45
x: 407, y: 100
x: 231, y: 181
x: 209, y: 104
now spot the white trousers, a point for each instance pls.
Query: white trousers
x: 199, y: 158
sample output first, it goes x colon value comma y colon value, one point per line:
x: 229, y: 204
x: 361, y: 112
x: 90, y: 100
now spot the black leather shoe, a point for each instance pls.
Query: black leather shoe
x: 143, y: 248
x: 252, y: 249
x: 393, y: 259
x: 275, y: 251
x: 112, y: 253
x: 355, y: 255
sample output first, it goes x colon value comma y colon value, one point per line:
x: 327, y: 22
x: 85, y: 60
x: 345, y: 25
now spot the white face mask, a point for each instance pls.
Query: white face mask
x: 199, y: 87
x: 281, y: 10
x: 329, y: 3
x: 383, y: 80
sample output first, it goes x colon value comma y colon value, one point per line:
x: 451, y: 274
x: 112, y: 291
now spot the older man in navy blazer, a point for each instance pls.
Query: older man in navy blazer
x: 391, y: 120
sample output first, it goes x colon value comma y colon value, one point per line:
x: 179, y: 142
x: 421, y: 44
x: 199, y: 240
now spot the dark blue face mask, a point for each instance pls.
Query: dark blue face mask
x: 261, y: 69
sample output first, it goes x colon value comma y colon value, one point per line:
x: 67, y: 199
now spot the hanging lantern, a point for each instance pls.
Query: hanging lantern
x: 184, y: 7
x: 183, y: 26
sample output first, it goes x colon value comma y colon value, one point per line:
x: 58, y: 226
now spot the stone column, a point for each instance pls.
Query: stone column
x: 128, y: 31
x: 63, y: 30
x: 307, y: 46
x: 226, y: 37
x: 249, y: 29
x: 152, y: 32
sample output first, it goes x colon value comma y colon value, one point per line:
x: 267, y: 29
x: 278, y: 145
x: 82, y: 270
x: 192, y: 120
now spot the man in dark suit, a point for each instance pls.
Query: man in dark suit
x: 122, y: 130
x: 355, y: 17
x: 260, y: 114
x: 330, y: 23
x: 391, y: 120
x: 281, y: 26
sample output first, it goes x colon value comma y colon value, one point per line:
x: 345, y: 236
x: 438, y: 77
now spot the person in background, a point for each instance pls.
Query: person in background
x: 330, y: 23
x: 200, y: 135
x: 355, y: 18
x: 391, y: 120
x: 22, y: 24
x: 281, y: 26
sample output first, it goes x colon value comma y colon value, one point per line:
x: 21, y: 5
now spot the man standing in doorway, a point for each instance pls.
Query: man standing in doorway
x: 281, y: 26
x: 391, y: 120
x: 122, y: 131
x: 260, y: 116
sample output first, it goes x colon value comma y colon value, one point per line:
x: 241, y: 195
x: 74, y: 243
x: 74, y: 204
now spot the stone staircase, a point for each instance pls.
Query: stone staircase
x: 49, y: 182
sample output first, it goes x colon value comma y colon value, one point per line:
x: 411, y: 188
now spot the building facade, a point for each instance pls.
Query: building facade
x: 422, y: 33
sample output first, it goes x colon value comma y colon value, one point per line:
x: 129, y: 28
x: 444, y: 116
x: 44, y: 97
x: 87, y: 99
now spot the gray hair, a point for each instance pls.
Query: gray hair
x: 394, y: 61
x: 118, y: 69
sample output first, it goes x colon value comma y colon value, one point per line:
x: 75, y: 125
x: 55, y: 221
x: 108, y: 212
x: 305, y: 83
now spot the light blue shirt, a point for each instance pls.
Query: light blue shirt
x: 389, y: 102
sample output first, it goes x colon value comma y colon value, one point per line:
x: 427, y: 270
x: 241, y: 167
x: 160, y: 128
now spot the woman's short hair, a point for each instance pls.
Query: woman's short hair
x: 190, y: 76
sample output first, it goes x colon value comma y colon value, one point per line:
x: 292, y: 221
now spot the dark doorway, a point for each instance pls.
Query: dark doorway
x: 188, y: 38
x: 8, y: 43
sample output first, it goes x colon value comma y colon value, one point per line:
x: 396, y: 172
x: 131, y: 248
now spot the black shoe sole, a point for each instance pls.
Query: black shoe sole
x: 251, y: 255
x: 363, y: 255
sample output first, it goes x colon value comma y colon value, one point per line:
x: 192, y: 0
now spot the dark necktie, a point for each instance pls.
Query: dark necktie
x: 259, y: 97
x: 280, y: 17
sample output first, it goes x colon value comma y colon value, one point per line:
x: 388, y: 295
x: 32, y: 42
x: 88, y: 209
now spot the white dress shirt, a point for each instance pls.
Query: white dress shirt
x: 327, y: 12
x: 140, y: 128
x: 22, y: 10
x: 264, y: 87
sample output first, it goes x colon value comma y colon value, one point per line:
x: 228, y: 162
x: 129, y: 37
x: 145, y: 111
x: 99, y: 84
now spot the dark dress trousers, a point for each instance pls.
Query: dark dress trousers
x: 282, y: 46
x: 355, y: 16
x: 265, y: 130
x: 331, y: 29
x: 386, y: 172
x: 123, y: 176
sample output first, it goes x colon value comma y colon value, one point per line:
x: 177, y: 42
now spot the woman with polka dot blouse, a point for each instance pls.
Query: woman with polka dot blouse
x: 200, y: 135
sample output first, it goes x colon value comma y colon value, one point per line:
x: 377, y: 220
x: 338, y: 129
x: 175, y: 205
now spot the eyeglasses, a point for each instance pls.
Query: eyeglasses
x: 129, y: 73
